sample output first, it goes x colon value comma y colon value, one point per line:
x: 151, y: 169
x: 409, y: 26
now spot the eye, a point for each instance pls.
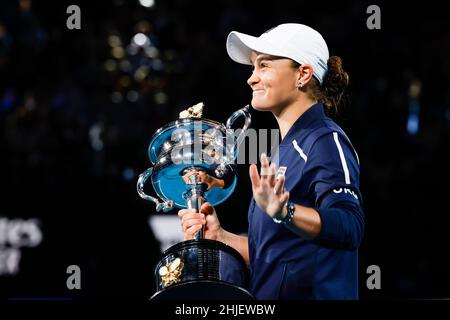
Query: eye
x: 263, y: 64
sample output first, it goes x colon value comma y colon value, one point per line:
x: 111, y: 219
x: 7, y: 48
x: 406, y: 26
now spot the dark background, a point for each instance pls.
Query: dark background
x: 58, y: 85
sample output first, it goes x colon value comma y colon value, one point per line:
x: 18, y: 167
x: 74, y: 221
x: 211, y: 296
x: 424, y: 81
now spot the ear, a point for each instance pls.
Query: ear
x: 304, y: 74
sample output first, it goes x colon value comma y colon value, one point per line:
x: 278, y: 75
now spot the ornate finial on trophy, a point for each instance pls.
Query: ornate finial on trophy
x: 195, y: 111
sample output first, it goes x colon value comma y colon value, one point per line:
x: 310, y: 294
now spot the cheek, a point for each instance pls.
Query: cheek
x: 279, y: 87
x: 271, y: 84
x: 280, y: 78
x: 287, y: 86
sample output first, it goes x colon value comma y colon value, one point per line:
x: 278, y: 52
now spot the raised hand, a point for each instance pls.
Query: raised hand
x: 269, y: 194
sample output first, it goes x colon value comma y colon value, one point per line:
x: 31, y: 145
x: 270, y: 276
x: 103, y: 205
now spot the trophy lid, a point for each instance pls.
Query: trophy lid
x: 189, y: 124
x: 163, y: 139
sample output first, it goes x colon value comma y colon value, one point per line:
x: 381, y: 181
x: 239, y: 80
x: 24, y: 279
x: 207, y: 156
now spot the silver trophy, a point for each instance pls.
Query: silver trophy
x: 193, y: 162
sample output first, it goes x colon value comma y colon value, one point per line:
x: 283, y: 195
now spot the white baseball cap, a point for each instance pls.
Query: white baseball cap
x: 296, y: 41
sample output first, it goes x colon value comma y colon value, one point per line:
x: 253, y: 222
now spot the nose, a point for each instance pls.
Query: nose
x: 254, y: 78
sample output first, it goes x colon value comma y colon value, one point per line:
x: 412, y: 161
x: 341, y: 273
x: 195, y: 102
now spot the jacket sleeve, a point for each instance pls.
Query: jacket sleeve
x: 332, y: 172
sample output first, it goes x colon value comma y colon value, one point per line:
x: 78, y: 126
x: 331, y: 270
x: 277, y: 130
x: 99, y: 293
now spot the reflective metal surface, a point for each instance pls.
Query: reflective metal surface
x: 209, y: 262
x: 204, y: 145
x: 194, y: 162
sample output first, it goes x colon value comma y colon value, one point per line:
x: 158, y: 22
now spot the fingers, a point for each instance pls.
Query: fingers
x: 182, y: 212
x: 279, y: 185
x: 271, y: 179
x: 254, y: 177
x: 285, y: 197
x: 198, y: 222
x: 190, y: 218
x: 191, y: 231
x: 265, y: 172
x: 207, y: 208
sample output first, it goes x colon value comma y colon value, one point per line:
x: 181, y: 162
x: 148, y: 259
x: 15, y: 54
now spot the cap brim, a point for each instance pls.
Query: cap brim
x: 240, y: 47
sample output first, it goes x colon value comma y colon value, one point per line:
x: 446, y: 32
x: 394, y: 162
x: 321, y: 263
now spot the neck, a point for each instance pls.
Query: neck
x: 289, y: 114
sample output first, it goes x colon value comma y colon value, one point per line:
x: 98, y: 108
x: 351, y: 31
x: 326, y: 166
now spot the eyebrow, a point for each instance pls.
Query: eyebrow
x: 265, y: 57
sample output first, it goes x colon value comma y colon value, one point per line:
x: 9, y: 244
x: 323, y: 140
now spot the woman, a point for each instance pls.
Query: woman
x: 305, y: 217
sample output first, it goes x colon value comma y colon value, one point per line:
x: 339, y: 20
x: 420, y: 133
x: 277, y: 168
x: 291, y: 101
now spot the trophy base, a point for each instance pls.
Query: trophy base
x: 203, y: 290
x: 201, y: 269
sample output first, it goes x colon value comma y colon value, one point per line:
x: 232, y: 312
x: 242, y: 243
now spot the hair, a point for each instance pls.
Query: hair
x: 332, y: 93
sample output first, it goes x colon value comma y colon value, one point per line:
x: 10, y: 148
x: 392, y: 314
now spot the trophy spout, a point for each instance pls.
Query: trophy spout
x: 164, y: 206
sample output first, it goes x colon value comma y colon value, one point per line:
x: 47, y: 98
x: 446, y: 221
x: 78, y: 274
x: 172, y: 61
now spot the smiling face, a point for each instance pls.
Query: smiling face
x: 273, y: 82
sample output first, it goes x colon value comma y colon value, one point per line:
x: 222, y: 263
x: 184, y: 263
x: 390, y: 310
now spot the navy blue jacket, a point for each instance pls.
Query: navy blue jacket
x: 322, y: 172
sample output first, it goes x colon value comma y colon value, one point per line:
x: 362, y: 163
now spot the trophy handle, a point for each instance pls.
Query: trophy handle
x: 243, y: 112
x: 165, y: 205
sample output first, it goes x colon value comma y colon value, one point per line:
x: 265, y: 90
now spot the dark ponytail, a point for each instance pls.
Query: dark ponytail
x: 332, y: 93
x: 334, y: 87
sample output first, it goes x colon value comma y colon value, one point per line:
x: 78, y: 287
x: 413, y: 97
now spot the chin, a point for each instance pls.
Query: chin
x: 260, y: 106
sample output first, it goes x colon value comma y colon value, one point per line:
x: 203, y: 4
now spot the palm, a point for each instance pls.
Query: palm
x: 268, y: 193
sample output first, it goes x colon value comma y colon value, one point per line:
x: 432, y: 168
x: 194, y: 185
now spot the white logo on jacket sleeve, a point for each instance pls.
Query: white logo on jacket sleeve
x: 345, y: 190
